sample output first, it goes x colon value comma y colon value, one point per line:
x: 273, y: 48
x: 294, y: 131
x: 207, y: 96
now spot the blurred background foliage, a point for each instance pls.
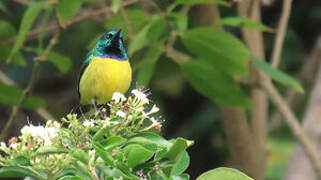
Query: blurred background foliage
x: 188, y: 92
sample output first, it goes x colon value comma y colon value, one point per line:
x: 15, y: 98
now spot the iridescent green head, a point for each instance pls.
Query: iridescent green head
x: 111, y: 45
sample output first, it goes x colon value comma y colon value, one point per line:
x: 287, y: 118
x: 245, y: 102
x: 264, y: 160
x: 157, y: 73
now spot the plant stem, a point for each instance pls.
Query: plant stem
x: 283, y: 23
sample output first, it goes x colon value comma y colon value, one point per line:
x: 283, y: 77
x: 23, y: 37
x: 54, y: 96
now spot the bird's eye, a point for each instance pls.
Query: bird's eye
x: 108, y: 36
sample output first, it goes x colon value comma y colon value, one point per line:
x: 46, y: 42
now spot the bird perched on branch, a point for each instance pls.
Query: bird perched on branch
x: 106, y: 70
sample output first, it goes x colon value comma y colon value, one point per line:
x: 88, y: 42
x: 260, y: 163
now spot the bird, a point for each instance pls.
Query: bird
x: 105, y: 70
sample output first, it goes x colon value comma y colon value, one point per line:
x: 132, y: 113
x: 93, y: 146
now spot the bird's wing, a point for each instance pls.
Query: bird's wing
x: 83, y: 67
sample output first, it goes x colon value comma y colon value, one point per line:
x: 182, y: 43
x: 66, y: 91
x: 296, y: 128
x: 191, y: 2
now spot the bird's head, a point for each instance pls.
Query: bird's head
x: 111, y: 45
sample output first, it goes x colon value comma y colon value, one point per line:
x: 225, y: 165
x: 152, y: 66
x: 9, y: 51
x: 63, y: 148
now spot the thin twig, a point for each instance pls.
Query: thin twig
x: 293, y: 122
x: 53, y: 27
x: 27, y: 91
x: 279, y: 102
x: 24, y: 2
x: 41, y: 111
x: 278, y: 43
x: 93, y: 172
x: 128, y: 24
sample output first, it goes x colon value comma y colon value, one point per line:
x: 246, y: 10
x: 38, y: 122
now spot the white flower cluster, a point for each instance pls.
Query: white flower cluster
x: 140, y: 96
x: 134, y: 108
x: 127, y: 116
x: 40, y: 133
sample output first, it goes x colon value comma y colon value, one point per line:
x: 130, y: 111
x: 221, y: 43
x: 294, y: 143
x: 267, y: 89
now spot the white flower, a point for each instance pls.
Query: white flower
x: 34, y: 131
x: 13, y: 146
x: 50, y: 133
x: 92, y: 153
x: 153, y: 120
x: 40, y: 133
x: 88, y: 123
x: 154, y: 109
x: 121, y: 114
x: 156, y: 124
x: 48, y: 122
x: 3, y: 145
x: 118, y: 97
x: 56, y: 124
x: 140, y: 109
x: 142, y: 97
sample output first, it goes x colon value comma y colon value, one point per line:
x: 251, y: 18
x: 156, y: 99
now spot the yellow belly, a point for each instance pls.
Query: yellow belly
x: 102, y: 78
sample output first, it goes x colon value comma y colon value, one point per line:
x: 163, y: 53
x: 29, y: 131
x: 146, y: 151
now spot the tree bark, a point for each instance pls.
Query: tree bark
x: 242, y: 145
x: 240, y: 141
x: 259, y: 112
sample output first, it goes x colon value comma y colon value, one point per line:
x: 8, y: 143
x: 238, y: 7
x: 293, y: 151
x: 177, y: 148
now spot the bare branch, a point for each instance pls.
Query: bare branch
x: 278, y: 43
x: 128, y: 24
x: 53, y: 27
x: 41, y: 111
x: 27, y: 91
x: 308, y: 145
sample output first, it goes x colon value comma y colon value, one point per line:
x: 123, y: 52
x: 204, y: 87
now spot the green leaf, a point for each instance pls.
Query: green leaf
x: 63, y: 63
x: 113, y: 172
x: 150, y: 33
x: 104, y: 155
x: 44, y: 23
x: 180, y: 177
x: 223, y: 174
x: 16, y: 59
x: 66, y: 173
x: 214, y: 84
x: 3, y: 7
x: 11, y: 95
x: 152, y: 138
x: 179, y: 146
x: 181, y: 163
x: 137, y: 18
x: 81, y: 156
x: 28, y: 18
x: 15, y: 172
x: 278, y: 75
x: 220, y: 49
x: 71, y: 178
x: 21, y: 160
x: 7, y: 30
x: 243, y: 22
x: 178, y: 20
x: 51, y: 150
x: 67, y: 9
x: 137, y: 154
x: 102, y: 132
x: 147, y: 65
x: 139, y: 40
x: 82, y: 170
x: 112, y: 142
x: 156, y: 29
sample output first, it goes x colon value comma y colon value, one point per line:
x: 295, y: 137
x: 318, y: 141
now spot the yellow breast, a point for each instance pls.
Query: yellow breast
x: 102, y: 78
